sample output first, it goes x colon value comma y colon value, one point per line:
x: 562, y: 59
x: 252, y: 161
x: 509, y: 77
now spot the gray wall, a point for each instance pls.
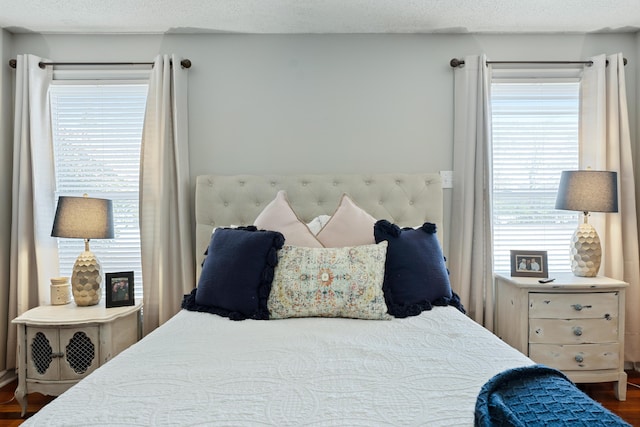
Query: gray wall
x: 326, y: 103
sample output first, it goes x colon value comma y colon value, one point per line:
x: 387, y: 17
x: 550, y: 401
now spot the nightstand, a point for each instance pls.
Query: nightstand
x: 574, y: 324
x: 58, y: 345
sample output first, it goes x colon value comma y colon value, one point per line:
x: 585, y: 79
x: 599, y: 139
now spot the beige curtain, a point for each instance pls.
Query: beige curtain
x: 34, y: 253
x: 471, y: 247
x: 605, y: 144
x: 165, y: 214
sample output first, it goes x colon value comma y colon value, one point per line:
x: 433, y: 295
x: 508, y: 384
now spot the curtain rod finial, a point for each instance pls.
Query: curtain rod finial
x: 13, y: 63
x: 185, y: 63
x: 455, y: 62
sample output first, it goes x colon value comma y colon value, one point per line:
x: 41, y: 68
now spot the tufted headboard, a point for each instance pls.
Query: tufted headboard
x: 405, y: 199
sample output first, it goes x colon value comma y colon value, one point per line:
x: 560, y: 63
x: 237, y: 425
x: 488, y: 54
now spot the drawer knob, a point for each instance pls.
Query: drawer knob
x: 579, y: 307
x: 579, y: 358
x: 577, y: 331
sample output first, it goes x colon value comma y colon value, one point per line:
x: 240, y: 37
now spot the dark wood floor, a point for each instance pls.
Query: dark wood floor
x: 629, y: 410
x: 10, y: 409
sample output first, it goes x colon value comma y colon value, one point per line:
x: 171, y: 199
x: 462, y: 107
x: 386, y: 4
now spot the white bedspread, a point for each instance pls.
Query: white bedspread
x: 200, y: 369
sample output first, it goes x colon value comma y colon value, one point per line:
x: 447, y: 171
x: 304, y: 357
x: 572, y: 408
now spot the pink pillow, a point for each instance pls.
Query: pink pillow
x: 350, y: 225
x: 280, y: 216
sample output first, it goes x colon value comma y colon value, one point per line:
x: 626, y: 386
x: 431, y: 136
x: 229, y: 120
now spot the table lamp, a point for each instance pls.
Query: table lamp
x: 84, y: 218
x: 587, y: 191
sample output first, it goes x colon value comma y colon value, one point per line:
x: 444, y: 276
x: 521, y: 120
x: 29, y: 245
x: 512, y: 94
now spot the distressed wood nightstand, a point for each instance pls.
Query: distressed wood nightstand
x: 574, y: 324
x: 58, y: 345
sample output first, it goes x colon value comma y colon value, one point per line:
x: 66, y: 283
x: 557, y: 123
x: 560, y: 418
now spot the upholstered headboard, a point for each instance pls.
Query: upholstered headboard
x: 405, y: 199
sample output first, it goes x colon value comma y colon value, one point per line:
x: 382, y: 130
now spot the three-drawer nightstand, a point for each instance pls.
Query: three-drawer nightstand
x: 574, y: 324
x: 58, y: 345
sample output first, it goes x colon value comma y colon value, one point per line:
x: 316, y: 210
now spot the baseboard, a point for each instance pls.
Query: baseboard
x: 7, y: 376
x: 632, y: 366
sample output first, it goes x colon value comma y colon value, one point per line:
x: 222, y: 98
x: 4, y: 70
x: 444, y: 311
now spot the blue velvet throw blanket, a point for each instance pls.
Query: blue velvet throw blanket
x: 538, y: 396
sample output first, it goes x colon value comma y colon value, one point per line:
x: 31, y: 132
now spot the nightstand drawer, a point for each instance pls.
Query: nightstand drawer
x: 573, y: 331
x: 600, y: 305
x: 581, y: 357
x: 575, y: 324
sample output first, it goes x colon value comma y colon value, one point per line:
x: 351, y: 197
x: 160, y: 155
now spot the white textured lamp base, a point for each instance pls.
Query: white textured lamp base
x: 86, y: 279
x: 586, y: 252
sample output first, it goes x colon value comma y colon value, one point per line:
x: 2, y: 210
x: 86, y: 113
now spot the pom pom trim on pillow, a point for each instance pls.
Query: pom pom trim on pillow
x: 252, y: 291
x: 416, y: 277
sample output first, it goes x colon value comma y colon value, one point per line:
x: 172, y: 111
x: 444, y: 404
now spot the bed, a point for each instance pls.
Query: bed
x: 200, y: 368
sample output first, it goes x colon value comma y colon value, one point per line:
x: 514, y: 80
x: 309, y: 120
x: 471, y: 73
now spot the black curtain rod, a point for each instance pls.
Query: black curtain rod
x: 185, y: 63
x: 455, y: 62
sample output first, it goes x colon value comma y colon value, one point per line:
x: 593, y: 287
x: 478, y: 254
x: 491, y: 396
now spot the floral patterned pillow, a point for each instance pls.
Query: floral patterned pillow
x: 329, y: 282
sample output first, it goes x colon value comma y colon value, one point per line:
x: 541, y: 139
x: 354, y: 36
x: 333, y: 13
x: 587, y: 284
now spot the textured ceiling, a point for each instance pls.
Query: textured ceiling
x: 319, y: 16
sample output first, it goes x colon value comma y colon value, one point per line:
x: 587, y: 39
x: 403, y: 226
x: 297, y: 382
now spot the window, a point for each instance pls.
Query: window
x: 97, y: 132
x: 535, y: 137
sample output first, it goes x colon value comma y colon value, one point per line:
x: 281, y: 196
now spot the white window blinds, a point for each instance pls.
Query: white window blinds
x: 97, y: 131
x: 535, y: 137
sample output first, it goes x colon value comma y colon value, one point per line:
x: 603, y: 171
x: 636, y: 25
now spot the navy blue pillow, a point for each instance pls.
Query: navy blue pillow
x: 237, y: 273
x: 416, y: 276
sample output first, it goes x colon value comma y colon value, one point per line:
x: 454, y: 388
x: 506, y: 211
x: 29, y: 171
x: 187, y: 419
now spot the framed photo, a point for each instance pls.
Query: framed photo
x: 526, y: 263
x: 119, y: 289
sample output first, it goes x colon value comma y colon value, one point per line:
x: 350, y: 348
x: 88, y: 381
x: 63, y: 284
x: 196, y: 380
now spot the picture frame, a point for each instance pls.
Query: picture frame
x: 527, y: 263
x: 119, y: 289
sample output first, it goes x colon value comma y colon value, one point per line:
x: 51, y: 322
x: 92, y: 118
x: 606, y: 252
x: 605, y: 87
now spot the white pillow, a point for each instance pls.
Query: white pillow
x: 317, y: 223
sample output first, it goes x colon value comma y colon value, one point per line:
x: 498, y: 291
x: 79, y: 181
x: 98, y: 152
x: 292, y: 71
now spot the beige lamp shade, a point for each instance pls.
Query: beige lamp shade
x: 84, y: 218
x: 587, y: 191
